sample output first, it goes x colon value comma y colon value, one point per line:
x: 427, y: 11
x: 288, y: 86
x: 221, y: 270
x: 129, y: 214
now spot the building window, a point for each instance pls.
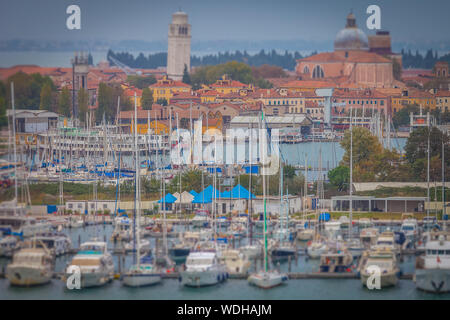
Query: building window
x: 318, y: 72
x: 306, y: 70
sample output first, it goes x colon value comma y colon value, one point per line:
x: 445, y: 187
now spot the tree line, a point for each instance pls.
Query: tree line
x: 286, y: 60
x: 372, y: 162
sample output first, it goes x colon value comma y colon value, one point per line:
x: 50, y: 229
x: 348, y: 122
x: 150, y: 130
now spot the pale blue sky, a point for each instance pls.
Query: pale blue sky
x: 408, y: 20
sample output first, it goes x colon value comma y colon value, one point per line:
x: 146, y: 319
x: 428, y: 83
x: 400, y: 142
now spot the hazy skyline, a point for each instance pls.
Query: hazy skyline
x: 408, y: 20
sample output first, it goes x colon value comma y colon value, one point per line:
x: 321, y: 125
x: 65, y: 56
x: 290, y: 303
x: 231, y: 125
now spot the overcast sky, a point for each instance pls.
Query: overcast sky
x: 408, y: 20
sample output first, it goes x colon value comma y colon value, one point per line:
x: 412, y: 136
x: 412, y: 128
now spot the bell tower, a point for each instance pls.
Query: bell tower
x: 179, y: 50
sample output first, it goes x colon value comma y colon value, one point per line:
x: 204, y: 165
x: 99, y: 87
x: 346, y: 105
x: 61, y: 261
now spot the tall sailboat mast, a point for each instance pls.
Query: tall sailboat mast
x: 14, y: 143
x: 137, y: 198
x: 351, y: 171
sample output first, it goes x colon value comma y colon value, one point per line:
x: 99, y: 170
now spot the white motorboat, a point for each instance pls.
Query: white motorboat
x: 235, y: 261
x: 387, y: 239
x: 252, y: 251
x: 433, y: 268
x: 203, y: 269
x: 305, y: 234
x: 95, y: 263
x: 200, y: 219
x: 18, y: 223
x: 267, y: 280
x: 8, y: 245
x: 57, y: 243
x: 316, y: 248
x: 144, y: 246
x: 75, y: 222
x: 336, y: 260
x: 368, y: 237
x: 355, y: 247
x: 122, y: 229
x: 410, y: 229
x: 382, y: 260
x: 332, y: 229
x: 31, y: 266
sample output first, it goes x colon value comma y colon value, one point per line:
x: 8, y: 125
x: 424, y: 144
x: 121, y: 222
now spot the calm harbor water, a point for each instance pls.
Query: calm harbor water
x: 231, y: 289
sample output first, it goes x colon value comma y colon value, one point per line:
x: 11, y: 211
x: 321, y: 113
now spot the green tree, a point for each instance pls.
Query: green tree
x: 340, y: 177
x: 3, y: 116
x: 192, y: 180
x: 46, y: 97
x: 83, y: 104
x: 147, y: 99
x: 107, y: 102
x: 416, y: 150
x: 141, y: 82
x: 64, y: 102
x: 401, y: 117
x: 186, y: 77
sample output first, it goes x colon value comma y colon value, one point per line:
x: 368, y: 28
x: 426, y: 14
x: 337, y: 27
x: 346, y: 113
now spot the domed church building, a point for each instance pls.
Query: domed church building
x: 351, y: 63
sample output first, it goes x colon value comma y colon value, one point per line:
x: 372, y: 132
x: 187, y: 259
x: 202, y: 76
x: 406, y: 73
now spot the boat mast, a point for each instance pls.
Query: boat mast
x: 14, y: 144
x: 137, y: 198
x: 264, y: 195
x: 428, y: 166
x: 250, y: 210
x: 351, y: 171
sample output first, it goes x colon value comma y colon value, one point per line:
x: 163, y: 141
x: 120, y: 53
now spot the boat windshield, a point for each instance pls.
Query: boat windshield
x: 386, y: 265
x: 28, y: 258
x: 199, y: 262
x: 92, y: 247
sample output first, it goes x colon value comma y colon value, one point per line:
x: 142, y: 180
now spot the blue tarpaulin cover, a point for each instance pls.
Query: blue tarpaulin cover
x: 251, y: 169
x: 169, y: 198
x: 206, y: 195
x: 52, y: 209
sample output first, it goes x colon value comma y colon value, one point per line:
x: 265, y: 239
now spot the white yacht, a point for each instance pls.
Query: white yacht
x: 332, y: 228
x: 410, y: 229
x: 123, y: 230
x: 252, y: 251
x: 31, y: 266
x: 383, y: 258
x: 75, y: 222
x: 305, y: 234
x: 368, y: 237
x: 267, y: 280
x: 316, y: 248
x: 8, y: 245
x: 143, y: 274
x: 95, y: 263
x: 387, y: 239
x: 203, y: 269
x: 200, y: 219
x: 235, y: 261
x: 57, y: 243
x: 14, y: 221
x: 433, y: 268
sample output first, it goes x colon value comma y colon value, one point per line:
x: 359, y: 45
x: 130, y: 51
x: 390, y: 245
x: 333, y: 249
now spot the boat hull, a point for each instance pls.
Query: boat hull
x: 386, y: 280
x: 26, y: 276
x: 141, y: 279
x: 266, y: 280
x: 202, y: 278
x: 433, y: 280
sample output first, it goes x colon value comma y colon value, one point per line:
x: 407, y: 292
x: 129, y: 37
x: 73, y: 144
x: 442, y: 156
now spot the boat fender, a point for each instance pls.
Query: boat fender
x: 179, y: 279
x: 218, y: 278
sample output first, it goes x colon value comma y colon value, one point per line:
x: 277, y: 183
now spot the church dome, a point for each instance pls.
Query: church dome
x: 351, y: 38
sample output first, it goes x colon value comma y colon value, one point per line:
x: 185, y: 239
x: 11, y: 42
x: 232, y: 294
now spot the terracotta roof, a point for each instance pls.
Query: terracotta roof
x: 309, y: 84
x: 353, y: 56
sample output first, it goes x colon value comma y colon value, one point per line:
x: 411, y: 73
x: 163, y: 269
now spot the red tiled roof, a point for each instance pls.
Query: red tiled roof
x: 353, y: 56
